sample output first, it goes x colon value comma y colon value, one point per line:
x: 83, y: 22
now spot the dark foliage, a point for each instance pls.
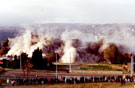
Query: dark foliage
x: 4, y: 47
x: 37, y: 60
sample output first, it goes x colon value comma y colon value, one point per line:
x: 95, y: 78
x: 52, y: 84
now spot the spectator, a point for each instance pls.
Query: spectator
x: 12, y: 82
x: 8, y: 81
x: 123, y: 79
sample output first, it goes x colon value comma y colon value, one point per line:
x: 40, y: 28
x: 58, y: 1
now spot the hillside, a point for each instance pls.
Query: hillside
x: 10, y: 32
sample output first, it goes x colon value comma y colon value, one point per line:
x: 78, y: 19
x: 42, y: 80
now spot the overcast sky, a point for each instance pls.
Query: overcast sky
x: 66, y: 11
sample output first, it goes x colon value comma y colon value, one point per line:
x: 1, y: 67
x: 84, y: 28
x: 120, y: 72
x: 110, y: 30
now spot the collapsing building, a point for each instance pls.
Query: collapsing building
x: 70, y: 47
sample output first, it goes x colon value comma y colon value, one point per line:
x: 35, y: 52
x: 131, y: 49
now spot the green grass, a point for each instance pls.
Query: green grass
x: 101, y: 67
x: 84, y: 68
x: 96, y: 68
x: 11, y: 69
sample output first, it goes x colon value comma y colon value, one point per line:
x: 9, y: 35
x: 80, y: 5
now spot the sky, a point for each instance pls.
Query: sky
x: 16, y: 12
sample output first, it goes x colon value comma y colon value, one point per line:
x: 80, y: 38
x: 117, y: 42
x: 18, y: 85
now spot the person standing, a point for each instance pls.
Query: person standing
x: 123, y: 79
x: 8, y: 81
x: 12, y: 82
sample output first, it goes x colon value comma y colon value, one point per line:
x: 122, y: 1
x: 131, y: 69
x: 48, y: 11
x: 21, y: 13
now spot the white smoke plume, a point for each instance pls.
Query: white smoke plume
x: 69, y: 52
x: 88, y: 47
x: 23, y: 44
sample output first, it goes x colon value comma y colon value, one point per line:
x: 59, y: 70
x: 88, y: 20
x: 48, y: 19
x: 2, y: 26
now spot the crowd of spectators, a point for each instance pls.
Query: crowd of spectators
x: 70, y: 80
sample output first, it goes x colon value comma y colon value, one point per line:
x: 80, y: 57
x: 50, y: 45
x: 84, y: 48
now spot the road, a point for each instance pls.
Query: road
x: 11, y: 74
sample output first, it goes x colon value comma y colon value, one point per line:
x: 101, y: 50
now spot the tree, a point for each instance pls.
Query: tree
x: 110, y: 53
x: 4, y: 48
x: 3, y: 51
x: 26, y: 64
x: 5, y: 42
x: 113, y: 55
x: 37, y: 60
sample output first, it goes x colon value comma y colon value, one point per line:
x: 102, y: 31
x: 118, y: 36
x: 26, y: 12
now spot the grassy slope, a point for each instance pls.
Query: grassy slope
x: 101, y: 67
x: 83, y: 67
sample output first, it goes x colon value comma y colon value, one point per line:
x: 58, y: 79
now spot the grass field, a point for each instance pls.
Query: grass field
x: 85, y: 85
x: 85, y: 67
x: 101, y: 67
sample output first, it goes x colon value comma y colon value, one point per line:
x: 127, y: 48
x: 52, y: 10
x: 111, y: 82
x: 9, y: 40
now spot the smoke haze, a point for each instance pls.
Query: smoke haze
x: 85, y: 44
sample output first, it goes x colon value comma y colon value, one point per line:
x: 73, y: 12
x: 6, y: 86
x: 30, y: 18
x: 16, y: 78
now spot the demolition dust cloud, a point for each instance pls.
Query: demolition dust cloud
x: 73, y: 44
